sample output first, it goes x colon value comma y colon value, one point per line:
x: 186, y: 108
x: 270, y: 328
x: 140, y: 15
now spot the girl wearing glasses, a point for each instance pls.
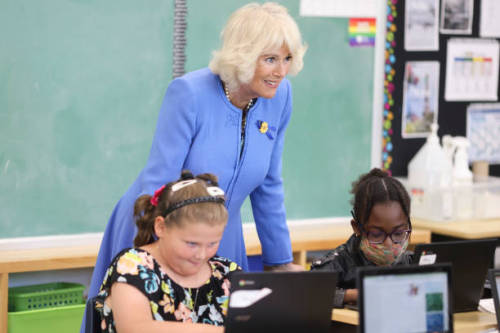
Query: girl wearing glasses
x: 382, y: 228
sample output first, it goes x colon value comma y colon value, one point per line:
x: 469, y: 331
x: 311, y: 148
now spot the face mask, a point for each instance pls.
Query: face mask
x: 379, y: 254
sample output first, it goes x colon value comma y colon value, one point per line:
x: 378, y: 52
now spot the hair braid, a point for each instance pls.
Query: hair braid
x: 376, y: 187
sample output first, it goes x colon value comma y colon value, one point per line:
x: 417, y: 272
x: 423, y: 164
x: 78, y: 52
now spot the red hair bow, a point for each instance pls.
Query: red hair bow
x: 156, y: 196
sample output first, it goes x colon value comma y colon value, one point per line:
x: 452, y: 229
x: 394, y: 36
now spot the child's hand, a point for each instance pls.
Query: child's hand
x: 351, y: 296
x: 290, y: 267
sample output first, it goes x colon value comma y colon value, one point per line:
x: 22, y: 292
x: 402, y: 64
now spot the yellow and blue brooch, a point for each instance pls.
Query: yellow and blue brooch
x: 264, y: 128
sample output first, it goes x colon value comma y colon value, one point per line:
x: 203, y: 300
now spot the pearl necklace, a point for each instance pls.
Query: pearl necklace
x: 243, y: 117
x: 228, y: 96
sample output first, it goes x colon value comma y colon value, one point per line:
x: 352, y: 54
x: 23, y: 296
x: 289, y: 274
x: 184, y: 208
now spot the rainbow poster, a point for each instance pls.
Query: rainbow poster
x: 362, y: 31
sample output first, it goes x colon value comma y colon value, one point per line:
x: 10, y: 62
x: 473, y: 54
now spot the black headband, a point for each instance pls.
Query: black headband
x: 192, y: 201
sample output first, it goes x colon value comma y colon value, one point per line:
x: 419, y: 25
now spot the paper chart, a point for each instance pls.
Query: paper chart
x: 472, y: 70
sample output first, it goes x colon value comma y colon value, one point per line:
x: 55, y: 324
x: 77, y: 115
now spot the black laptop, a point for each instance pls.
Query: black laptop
x: 401, y: 299
x: 470, y: 260
x: 292, y: 302
x: 494, y: 277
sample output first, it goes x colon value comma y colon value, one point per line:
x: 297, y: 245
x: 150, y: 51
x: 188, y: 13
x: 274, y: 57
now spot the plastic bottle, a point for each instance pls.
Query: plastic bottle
x: 429, y: 180
x: 461, y: 173
x: 462, y: 180
x: 448, y: 146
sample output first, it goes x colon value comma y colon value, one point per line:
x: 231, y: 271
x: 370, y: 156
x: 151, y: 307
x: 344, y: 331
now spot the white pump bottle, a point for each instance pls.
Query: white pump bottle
x: 461, y: 173
x: 430, y: 167
x: 462, y: 180
x: 429, y: 172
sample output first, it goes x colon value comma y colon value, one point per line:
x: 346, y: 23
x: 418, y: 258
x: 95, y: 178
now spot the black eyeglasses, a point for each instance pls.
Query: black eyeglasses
x: 379, y: 236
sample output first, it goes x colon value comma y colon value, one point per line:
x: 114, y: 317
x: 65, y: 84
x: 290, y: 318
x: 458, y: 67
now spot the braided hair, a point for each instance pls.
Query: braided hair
x: 377, y: 187
x: 145, y: 212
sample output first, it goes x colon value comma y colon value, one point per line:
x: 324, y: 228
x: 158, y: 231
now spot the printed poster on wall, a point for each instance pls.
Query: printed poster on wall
x: 420, y: 98
x: 483, y: 131
x: 489, y: 24
x: 471, y: 70
x: 339, y: 8
x: 456, y: 16
x: 421, y: 25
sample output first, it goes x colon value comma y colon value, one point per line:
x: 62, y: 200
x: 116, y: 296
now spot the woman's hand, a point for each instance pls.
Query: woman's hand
x: 351, y: 296
x: 290, y: 267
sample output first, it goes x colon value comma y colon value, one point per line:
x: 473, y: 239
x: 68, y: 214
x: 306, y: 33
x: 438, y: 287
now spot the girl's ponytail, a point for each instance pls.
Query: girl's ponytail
x: 144, y: 220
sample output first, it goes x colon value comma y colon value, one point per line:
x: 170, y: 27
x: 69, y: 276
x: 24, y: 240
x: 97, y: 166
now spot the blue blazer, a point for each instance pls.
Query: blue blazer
x: 200, y: 130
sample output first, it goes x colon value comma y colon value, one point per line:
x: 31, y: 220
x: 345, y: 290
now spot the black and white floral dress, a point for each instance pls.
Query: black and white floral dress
x: 169, y: 301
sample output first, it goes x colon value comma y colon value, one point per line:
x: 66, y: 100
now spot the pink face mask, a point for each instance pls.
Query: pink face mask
x: 379, y: 254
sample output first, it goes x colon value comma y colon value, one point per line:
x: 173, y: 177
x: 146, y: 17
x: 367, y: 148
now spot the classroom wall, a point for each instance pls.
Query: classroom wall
x: 81, y: 85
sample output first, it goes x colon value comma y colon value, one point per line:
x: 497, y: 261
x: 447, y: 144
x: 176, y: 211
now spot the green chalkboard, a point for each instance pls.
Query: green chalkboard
x: 81, y: 83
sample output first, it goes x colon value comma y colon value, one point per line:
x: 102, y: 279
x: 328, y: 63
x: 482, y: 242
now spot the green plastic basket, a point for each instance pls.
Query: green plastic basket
x: 50, y: 320
x: 47, y: 295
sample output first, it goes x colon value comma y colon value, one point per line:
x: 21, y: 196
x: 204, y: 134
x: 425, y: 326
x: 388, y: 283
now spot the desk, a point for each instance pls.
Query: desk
x: 467, y: 229
x: 464, y: 322
x: 304, y: 238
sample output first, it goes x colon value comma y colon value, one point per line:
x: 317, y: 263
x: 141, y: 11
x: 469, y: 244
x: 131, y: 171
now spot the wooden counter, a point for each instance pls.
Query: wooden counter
x: 464, y: 322
x: 467, y: 229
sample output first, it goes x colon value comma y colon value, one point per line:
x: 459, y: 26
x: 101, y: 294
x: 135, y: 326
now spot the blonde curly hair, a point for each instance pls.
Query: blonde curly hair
x: 249, y: 32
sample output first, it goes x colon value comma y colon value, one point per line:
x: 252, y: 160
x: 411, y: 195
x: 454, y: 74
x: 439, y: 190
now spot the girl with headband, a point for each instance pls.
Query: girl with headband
x: 171, y: 279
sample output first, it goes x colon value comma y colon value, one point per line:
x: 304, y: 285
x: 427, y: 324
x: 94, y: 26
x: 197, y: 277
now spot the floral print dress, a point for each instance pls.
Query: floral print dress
x: 169, y: 301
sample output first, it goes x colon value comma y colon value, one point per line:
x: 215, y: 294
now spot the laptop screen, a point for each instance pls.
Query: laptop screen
x: 497, y: 282
x: 406, y: 302
x: 494, y: 277
x: 281, y: 302
x: 470, y: 260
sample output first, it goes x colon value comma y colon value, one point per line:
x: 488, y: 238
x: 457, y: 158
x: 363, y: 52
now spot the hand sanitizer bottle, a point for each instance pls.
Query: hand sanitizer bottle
x: 461, y: 173
x: 448, y: 146
x: 462, y: 180
x: 429, y: 179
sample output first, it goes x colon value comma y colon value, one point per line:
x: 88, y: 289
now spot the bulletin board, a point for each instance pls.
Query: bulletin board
x: 402, y: 49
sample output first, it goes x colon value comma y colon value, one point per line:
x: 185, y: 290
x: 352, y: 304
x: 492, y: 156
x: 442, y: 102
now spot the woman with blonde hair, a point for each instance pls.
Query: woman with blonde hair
x: 229, y: 120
